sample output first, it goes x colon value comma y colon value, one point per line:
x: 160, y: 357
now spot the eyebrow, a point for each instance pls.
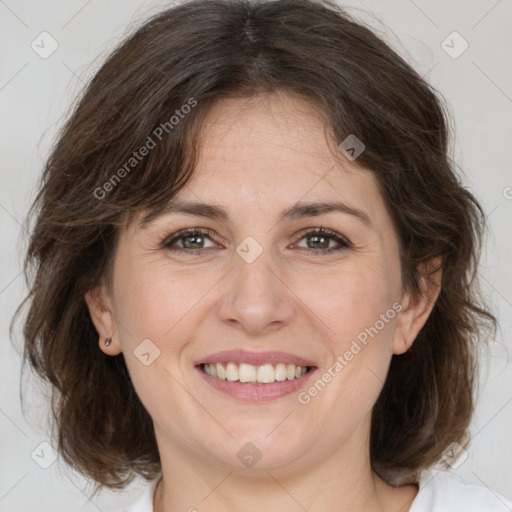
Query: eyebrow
x: 296, y: 211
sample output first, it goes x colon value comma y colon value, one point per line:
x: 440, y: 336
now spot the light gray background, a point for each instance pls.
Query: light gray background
x: 36, y: 94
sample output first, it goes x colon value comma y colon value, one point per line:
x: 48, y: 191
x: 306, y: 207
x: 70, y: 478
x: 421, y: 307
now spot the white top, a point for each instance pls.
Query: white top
x: 439, y: 491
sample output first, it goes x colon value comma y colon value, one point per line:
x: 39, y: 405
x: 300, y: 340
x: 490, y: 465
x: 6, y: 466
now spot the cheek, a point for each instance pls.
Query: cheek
x: 351, y: 299
x: 156, y: 304
x: 357, y: 319
x: 356, y: 305
x: 153, y: 300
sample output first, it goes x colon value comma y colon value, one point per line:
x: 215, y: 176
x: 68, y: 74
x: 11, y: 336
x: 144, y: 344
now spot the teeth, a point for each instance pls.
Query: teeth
x: 221, y: 373
x: 280, y: 372
x: 264, y: 374
x: 231, y: 371
x: 247, y: 373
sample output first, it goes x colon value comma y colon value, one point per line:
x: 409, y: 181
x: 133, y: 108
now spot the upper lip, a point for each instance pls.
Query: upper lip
x: 254, y: 358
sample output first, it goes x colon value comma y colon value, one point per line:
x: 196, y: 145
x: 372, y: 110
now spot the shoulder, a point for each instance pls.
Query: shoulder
x: 442, y: 491
x: 439, y: 491
x: 145, y: 501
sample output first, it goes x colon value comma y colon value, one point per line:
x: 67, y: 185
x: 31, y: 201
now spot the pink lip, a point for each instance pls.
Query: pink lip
x: 249, y: 392
x: 254, y: 358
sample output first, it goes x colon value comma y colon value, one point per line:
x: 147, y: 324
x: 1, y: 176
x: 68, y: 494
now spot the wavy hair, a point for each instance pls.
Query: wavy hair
x: 204, y: 51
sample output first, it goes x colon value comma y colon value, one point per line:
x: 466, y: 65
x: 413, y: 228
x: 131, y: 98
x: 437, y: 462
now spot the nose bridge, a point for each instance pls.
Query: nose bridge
x: 255, y: 300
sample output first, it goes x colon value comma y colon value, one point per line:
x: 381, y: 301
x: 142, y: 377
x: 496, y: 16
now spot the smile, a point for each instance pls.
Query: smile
x: 248, y: 373
x: 251, y: 376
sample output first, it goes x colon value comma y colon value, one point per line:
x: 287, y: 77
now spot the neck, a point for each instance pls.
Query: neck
x: 191, y: 484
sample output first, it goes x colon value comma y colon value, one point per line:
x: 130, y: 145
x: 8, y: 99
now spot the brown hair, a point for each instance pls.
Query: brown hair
x: 201, y: 51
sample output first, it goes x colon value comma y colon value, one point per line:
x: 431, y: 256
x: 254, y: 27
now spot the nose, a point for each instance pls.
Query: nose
x: 256, y: 299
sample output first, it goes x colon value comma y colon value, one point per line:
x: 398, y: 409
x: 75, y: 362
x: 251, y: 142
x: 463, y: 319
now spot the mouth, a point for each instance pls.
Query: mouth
x: 247, y: 373
x: 255, y: 376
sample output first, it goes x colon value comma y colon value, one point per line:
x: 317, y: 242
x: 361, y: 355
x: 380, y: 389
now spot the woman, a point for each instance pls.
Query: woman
x: 255, y: 270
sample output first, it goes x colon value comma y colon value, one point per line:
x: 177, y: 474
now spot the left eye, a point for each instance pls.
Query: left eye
x: 192, y: 240
x: 322, y: 237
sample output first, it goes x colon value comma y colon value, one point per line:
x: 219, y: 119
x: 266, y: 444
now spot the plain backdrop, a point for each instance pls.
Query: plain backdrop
x: 36, y: 94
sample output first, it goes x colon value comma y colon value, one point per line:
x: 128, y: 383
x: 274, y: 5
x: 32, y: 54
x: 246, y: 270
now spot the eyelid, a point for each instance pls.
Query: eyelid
x: 342, y: 241
x: 166, y: 243
x: 320, y: 230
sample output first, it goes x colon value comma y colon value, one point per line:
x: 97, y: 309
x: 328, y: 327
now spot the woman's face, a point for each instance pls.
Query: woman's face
x: 257, y: 282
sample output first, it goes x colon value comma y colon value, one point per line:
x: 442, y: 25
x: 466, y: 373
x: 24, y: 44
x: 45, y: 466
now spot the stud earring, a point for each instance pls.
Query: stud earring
x: 108, y: 341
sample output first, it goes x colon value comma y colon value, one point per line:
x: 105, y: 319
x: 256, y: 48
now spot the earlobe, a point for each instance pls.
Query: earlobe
x: 417, y: 308
x: 102, y: 317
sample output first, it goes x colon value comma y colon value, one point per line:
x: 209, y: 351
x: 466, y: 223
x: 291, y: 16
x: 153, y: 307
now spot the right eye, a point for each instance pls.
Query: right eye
x: 192, y: 240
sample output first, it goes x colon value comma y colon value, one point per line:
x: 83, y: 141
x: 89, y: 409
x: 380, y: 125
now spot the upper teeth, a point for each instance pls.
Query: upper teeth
x: 266, y: 373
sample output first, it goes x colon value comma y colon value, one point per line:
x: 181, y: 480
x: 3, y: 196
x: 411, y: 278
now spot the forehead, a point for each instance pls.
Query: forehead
x: 276, y: 149
x: 277, y: 128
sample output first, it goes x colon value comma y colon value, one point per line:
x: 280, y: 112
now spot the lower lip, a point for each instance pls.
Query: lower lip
x: 249, y: 392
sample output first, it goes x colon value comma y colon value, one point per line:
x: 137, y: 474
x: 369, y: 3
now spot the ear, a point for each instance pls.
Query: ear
x: 417, y: 308
x: 102, y: 316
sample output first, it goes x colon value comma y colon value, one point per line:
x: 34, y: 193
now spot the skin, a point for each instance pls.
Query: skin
x: 260, y: 156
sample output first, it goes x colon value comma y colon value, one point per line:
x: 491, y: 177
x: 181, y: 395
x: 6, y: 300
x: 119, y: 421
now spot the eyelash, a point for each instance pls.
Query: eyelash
x: 168, y: 243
